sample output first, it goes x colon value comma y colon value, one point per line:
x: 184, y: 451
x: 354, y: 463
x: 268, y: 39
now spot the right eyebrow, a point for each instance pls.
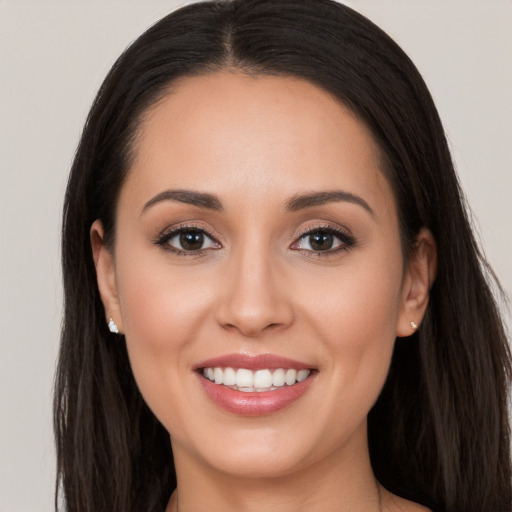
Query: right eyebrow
x: 200, y: 199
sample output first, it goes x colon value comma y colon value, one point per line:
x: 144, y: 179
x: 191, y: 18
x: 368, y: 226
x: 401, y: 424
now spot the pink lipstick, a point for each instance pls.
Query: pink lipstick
x: 254, y: 385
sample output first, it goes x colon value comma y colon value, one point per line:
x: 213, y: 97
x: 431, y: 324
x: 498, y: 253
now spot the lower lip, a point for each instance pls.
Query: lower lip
x: 254, y: 403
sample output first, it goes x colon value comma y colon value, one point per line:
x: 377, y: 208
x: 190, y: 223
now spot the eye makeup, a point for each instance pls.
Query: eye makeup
x: 192, y: 239
x: 323, y: 240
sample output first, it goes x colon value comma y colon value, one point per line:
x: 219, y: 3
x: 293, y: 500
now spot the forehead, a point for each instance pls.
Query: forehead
x: 229, y: 133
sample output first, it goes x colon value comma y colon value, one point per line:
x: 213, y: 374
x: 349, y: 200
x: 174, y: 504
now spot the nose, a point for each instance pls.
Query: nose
x: 253, y: 300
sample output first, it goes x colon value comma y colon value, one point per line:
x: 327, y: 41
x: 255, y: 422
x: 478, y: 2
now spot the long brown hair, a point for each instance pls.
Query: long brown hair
x: 439, y: 432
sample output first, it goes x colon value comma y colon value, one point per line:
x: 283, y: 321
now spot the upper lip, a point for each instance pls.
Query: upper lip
x: 252, y: 362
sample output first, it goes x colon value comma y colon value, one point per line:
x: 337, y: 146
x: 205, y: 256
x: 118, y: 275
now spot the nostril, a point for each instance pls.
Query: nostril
x: 254, y: 330
x: 272, y: 326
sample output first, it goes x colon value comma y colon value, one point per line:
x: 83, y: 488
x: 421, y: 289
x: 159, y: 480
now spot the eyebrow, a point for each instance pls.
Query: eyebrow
x: 297, y: 202
x: 200, y: 199
x: 302, y: 201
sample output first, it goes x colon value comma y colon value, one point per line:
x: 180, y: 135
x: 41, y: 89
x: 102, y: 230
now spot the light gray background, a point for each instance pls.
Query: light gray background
x: 53, y: 56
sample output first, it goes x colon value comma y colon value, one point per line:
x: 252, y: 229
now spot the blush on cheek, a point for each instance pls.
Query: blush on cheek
x: 361, y: 331
x: 163, y: 312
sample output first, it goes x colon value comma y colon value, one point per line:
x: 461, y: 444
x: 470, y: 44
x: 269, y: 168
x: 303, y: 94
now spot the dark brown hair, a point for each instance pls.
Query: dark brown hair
x: 439, y: 432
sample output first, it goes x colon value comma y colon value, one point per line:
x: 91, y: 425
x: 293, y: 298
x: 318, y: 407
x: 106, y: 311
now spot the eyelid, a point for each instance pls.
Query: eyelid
x: 175, y: 230
x: 346, y: 239
x: 343, y: 234
x: 335, y: 228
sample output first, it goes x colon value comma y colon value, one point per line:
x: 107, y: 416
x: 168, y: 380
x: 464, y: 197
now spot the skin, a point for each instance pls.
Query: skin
x: 255, y: 143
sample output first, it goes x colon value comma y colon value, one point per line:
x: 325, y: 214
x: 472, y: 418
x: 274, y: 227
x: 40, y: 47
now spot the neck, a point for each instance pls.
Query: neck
x: 340, y: 481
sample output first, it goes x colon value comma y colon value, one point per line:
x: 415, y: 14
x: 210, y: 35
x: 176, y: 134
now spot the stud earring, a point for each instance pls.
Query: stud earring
x: 414, y: 325
x: 112, y: 327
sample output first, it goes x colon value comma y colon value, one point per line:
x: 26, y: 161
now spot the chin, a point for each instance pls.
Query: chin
x: 258, y: 463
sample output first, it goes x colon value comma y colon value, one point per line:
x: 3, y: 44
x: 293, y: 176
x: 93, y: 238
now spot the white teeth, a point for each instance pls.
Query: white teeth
x: 291, y: 377
x: 244, y: 378
x: 260, y: 380
x: 302, y: 374
x: 229, y: 378
x: 278, y: 377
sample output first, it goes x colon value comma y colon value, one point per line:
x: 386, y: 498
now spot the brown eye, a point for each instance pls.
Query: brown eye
x: 321, y: 241
x: 187, y: 240
x: 328, y: 240
x: 191, y: 240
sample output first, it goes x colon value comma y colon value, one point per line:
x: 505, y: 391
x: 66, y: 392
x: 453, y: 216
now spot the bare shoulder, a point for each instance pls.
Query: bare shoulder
x: 393, y: 503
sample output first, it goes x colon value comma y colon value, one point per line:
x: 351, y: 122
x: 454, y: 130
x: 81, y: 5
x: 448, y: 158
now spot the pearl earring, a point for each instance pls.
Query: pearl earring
x: 112, y: 327
x: 414, y: 325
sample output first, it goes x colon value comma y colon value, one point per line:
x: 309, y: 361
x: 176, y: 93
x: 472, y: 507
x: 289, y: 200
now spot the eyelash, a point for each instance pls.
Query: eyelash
x: 347, y: 240
x: 164, y: 238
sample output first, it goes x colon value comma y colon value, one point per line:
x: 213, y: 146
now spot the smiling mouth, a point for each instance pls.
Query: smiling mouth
x: 254, y: 385
x: 245, y: 380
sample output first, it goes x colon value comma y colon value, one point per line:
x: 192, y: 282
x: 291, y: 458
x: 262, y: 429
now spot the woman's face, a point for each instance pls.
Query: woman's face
x: 257, y: 232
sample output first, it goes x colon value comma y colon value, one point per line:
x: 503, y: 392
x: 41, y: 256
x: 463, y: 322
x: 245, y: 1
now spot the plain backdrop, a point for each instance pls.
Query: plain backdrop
x: 53, y: 57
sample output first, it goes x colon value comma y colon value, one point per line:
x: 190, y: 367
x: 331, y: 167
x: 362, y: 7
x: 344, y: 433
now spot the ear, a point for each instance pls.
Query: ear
x: 418, y: 279
x: 106, y: 275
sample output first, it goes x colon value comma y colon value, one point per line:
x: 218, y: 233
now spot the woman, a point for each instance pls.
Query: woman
x: 274, y: 300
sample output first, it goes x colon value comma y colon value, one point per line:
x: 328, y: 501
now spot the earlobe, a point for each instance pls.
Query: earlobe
x: 105, y: 275
x: 420, y: 274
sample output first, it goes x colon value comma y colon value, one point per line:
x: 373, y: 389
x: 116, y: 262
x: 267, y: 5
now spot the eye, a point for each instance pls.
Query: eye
x: 187, y: 240
x: 325, y: 239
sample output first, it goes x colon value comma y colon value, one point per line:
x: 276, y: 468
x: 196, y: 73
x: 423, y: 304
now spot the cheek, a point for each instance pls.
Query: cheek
x: 355, y: 316
x: 360, y: 300
x: 163, y: 311
x: 162, y: 305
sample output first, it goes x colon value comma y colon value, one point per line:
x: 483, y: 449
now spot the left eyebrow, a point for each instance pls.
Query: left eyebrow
x: 310, y: 200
